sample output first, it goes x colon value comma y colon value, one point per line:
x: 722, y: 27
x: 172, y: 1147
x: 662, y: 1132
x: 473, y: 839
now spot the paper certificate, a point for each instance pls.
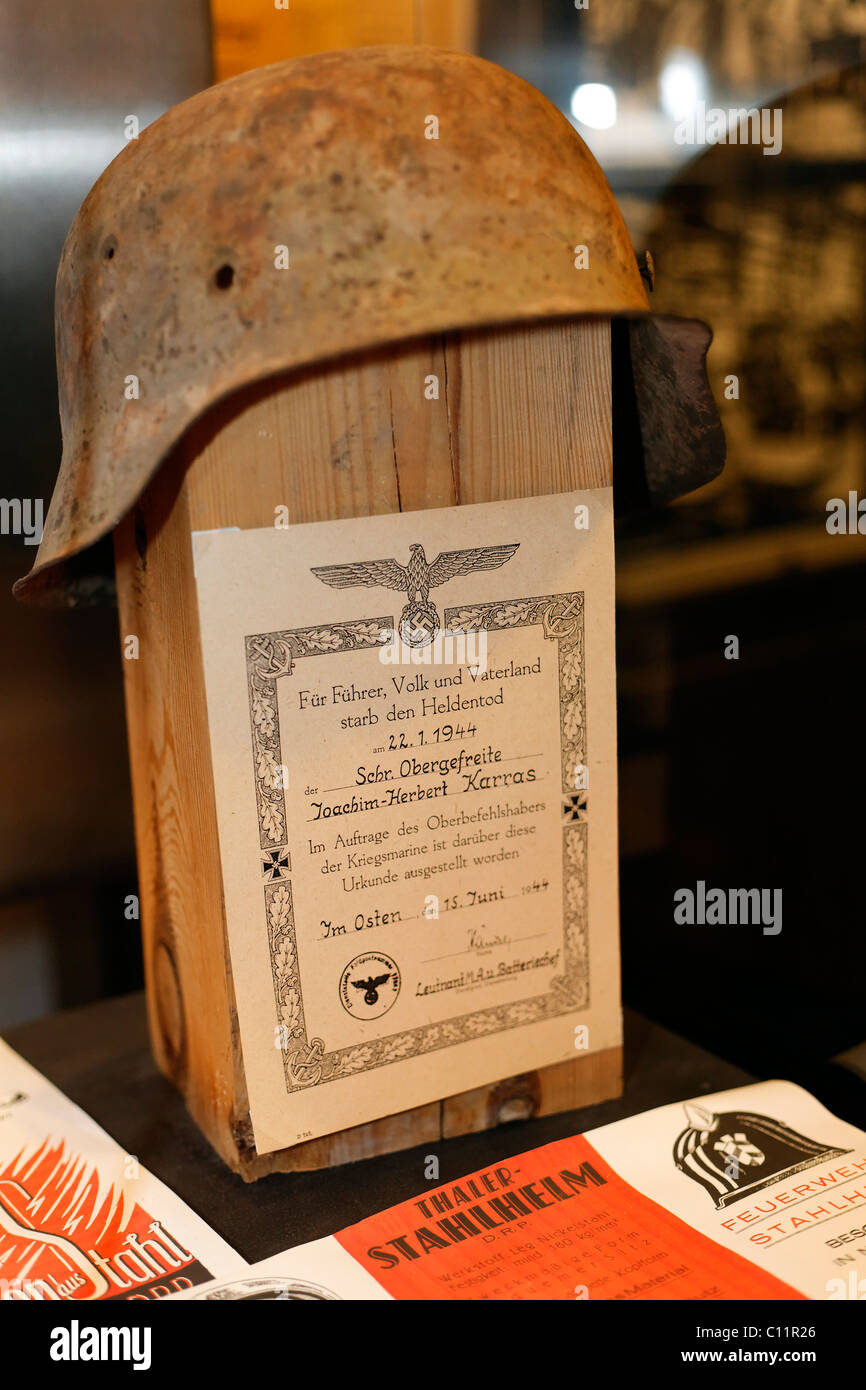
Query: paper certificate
x: 412, y: 727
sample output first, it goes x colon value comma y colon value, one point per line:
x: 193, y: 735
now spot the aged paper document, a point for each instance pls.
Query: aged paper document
x: 757, y: 1193
x: 749, y: 1194
x: 413, y: 729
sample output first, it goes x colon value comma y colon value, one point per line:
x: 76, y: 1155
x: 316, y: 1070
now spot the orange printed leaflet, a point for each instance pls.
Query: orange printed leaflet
x: 757, y: 1193
x: 80, y: 1220
x: 553, y: 1223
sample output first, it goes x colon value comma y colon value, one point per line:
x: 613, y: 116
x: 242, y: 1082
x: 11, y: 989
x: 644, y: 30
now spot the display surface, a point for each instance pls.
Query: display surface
x: 755, y: 1193
x: 411, y: 716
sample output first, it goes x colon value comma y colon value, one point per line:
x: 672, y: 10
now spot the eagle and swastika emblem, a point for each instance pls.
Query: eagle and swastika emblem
x: 369, y: 985
x: 419, y: 620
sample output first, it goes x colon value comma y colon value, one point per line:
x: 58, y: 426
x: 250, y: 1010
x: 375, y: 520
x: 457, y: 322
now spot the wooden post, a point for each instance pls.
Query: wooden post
x: 522, y: 411
x: 246, y: 36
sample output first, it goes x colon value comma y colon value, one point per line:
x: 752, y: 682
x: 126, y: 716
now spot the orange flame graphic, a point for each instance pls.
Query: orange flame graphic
x: 65, y: 1234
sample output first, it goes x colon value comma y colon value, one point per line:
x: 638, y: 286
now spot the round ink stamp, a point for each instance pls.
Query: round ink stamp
x: 369, y: 985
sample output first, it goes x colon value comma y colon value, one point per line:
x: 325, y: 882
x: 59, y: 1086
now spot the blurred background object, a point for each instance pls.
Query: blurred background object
x: 70, y: 77
x: 250, y: 36
x: 738, y: 772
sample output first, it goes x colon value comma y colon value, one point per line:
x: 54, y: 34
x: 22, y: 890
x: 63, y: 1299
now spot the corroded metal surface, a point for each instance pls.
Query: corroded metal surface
x: 681, y: 433
x: 169, y: 275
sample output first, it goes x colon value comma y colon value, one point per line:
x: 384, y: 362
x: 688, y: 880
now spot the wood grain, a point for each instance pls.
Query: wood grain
x: 249, y: 36
x: 519, y: 412
x: 563, y: 1086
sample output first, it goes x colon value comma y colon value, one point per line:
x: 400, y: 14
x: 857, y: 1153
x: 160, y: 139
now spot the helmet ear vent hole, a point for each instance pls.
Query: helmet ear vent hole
x: 109, y: 248
x: 224, y: 278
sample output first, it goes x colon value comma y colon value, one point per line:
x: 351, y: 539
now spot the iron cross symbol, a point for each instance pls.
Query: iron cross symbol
x: 419, y: 620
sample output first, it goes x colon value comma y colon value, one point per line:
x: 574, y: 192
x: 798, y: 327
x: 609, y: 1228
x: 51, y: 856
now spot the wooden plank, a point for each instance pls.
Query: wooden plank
x: 519, y: 412
x: 189, y: 1002
x: 530, y: 413
x: 447, y: 24
x: 564, y: 1086
x: 246, y: 36
x: 530, y: 410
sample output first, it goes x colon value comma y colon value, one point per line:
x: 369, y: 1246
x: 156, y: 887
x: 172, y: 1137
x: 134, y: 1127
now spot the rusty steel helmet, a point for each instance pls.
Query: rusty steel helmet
x: 168, y: 273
